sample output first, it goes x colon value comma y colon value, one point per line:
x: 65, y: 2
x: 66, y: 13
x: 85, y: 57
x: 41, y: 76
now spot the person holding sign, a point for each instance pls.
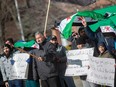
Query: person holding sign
x: 81, y: 44
x: 61, y: 64
x: 103, y: 54
x: 98, y: 36
x: 7, y: 63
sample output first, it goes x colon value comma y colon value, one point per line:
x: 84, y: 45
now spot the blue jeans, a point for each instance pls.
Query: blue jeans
x: 15, y: 83
x: 1, y: 82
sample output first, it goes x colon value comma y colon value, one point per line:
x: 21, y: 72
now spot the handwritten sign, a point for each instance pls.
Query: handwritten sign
x: 78, y: 61
x: 101, y: 71
x: 74, y: 53
x: 20, y: 67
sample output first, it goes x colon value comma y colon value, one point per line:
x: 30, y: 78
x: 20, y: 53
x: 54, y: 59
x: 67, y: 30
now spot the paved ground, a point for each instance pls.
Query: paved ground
x: 77, y: 81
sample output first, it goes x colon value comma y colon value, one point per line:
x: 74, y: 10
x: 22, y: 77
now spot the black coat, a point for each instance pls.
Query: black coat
x: 47, y: 68
x: 62, y: 60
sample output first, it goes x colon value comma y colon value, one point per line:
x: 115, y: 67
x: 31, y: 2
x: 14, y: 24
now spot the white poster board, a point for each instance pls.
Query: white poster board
x: 101, y: 71
x: 20, y: 67
x: 78, y: 61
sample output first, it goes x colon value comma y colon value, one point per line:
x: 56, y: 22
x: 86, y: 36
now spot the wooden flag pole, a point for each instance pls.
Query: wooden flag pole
x: 45, y: 27
x: 21, y: 50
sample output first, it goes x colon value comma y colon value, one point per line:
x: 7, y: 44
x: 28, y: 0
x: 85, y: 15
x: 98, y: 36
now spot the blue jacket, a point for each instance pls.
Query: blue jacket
x: 99, y: 37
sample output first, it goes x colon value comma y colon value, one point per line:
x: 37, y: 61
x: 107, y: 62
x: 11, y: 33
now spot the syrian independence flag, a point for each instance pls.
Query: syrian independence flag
x: 30, y: 44
x: 108, y: 21
x: 107, y: 29
x: 78, y: 21
x: 98, y: 15
x: 65, y: 26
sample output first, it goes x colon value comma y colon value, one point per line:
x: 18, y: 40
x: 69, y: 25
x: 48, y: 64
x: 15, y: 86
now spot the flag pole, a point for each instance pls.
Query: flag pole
x: 33, y: 56
x: 19, y: 20
x: 45, y: 26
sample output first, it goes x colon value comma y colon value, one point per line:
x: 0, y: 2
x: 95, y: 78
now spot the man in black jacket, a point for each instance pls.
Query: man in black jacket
x: 44, y: 66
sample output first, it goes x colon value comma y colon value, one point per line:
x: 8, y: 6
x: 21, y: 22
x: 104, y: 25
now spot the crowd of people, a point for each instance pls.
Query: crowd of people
x: 48, y: 70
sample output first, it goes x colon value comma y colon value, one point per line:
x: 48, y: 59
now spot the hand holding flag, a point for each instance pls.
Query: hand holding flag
x: 40, y: 58
x: 84, y: 22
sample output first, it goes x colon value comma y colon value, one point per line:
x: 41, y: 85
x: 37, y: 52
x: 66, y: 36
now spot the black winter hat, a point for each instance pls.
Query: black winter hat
x: 53, y: 37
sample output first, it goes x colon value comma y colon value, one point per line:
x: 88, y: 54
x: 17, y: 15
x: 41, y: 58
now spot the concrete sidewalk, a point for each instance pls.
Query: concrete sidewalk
x: 77, y: 81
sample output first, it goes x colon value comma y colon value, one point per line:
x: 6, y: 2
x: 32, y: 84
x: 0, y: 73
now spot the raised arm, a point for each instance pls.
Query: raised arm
x: 88, y: 31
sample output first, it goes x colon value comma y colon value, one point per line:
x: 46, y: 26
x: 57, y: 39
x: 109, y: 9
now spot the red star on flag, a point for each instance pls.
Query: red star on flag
x: 34, y: 47
x: 79, y: 18
x: 107, y: 28
x: 68, y: 18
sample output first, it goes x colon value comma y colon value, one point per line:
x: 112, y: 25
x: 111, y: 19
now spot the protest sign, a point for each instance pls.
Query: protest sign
x: 101, y: 71
x: 20, y: 66
x: 78, y: 61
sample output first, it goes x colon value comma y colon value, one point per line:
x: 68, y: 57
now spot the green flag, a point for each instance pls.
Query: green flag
x: 92, y: 14
x: 110, y: 21
x: 110, y: 9
x: 65, y: 26
x: 31, y: 44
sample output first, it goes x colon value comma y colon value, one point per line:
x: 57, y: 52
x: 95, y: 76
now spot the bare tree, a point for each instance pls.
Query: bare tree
x: 7, y: 13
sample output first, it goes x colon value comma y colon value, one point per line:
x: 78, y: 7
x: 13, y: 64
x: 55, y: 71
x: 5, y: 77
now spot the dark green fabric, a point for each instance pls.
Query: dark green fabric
x: 92, y: 14
x: 24, y: 44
